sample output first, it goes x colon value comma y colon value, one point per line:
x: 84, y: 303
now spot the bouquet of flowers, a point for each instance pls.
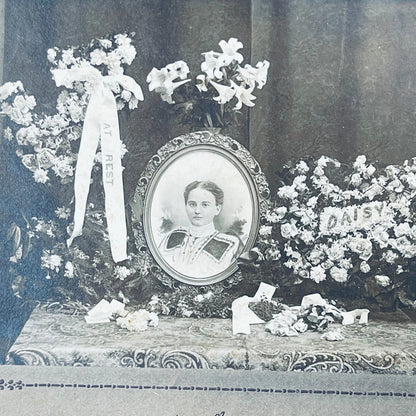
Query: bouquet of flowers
x: 214, y: 97
x: 348, y: 227
x: 47, y: 145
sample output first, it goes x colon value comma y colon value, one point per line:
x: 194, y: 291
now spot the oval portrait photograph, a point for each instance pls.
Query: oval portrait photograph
x: 201, y: 213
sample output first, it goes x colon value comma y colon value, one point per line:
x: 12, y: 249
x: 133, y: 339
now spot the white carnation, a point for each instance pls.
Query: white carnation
x: 265, y: 230
x: 402, y: 229
x: 339, y: 274
x: 365, y: 267
x: 287, y: 192
x: 317, y: 274
x: 288, y: 230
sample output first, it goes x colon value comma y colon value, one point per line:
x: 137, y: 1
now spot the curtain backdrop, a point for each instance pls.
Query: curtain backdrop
x: 342, y: 80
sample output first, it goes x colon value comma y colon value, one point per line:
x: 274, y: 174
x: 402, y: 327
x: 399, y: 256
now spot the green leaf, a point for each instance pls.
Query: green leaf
x: 14, y: 233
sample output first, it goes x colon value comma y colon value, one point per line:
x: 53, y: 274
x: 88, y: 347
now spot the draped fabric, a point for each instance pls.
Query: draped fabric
x: 341, y: 82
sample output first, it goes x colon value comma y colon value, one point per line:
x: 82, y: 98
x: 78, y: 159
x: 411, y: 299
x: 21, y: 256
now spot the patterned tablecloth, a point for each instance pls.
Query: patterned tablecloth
x: 67, y: 340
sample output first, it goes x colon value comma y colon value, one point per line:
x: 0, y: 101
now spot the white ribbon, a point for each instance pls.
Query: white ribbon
x: 243, y: 316
x: 101, y: 122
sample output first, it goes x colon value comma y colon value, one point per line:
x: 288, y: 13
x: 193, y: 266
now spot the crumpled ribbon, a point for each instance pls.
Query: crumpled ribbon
x: 100, y: 124
x: 103, y: 311
x: 243, y: 316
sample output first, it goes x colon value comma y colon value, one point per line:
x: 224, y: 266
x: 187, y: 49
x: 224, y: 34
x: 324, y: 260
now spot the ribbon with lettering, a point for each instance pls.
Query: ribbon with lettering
x: 100, y: 126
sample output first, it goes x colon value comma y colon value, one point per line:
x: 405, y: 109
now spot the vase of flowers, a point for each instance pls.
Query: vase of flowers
x: 214, y: 97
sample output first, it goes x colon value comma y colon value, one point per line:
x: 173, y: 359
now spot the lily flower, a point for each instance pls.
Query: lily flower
x: 178, y: 69
x: 226, y: 93
x: 243, y: 96
x: 211, y: 66
x: 166, y: 90
x: 201, y: 85
x: 157, y: 78
x: 229, y: 51
x: 251, y: 75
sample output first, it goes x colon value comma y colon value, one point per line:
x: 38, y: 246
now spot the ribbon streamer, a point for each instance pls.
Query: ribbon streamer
x: 100, y: 125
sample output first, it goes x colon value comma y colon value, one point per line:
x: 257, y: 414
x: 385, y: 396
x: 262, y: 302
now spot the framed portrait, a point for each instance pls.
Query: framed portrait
x: 203, y: 196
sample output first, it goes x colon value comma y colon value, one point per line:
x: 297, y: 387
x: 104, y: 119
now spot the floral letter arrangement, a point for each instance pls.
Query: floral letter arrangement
x: 213, y: 98
x: 344, y: 230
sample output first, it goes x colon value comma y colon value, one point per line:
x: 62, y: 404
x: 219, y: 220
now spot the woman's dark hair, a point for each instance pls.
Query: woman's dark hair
x: 208, y: 186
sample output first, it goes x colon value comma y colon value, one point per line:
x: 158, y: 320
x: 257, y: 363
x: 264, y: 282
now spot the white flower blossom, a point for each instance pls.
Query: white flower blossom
x: 390, y: 257
x: 51, y: 261
x: 243, y: 95
x: 316, y: 255
x: 98, y: 57
x: 317, y: 274
x: 69, y: 270
x: 288, y: 230
x: 258, y: 75
x: 138, y: 321
x: 63, y: 213
x: 339, y: 274
x: 265, y: 230
x: 229, y: 51
x: 382, y: 280
x: 212, y: 65
x: 178, y: 69
x: 287, y: 192
x: 8, y: 134
x: 302, y: 167
x: 307, y: 236
x: 275, y: 215
x: 380, y: 236
x: 105, y: 43
x: 122, y: 272
x: 40, y: 175
x: 402, y: 229
x: 362, y: 247
x: 356, y: 179
x: 359, y: 162
x: 364, y: 267
x: 226, y: 93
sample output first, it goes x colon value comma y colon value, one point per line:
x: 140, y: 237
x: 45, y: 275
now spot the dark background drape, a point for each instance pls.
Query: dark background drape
x: 342, y: 80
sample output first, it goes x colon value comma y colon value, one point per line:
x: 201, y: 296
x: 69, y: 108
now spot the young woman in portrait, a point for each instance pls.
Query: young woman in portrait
x: 200, y: 250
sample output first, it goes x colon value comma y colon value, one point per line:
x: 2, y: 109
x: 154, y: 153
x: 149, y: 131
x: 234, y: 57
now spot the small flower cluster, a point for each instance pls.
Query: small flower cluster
x: 191, y: 305
x: 138, y: 321
x: 211, y: 98
x: 84, y: 271
x: 47, y: 144
x: 335, y: 222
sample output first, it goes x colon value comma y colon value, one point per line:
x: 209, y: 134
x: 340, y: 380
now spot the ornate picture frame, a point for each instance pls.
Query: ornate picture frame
x: 169, y: 232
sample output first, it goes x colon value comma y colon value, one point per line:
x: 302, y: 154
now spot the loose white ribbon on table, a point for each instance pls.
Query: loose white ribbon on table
x: 243, y: 316
x: 101, y: 122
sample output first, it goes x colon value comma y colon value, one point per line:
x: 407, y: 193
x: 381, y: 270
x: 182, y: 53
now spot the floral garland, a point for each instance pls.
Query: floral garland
x: 214, y: 97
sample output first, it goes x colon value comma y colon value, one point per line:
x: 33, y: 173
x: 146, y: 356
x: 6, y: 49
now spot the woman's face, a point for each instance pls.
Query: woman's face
x: 201, y: 207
